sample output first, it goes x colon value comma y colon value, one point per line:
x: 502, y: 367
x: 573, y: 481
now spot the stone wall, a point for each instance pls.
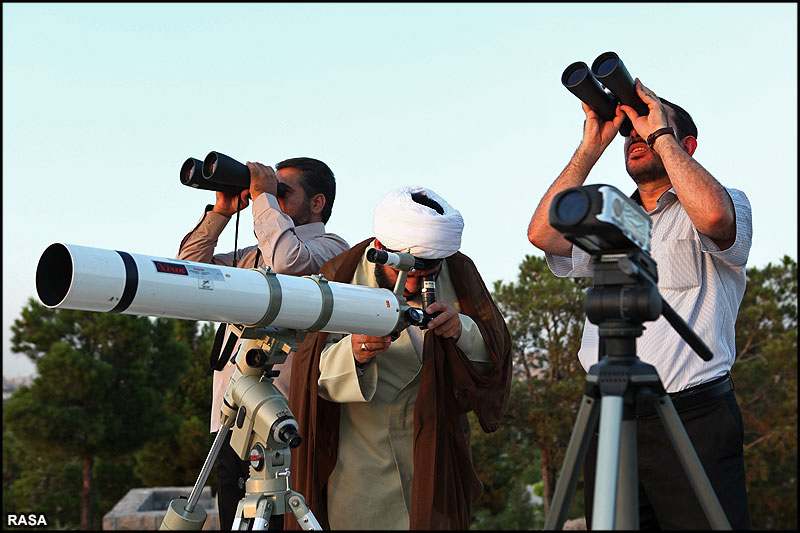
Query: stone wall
x: 144, y: 509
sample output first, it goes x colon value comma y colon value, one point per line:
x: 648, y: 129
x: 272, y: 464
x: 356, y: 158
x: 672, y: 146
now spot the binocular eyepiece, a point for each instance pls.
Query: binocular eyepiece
x: 218, y: 172
x: 608, y: 70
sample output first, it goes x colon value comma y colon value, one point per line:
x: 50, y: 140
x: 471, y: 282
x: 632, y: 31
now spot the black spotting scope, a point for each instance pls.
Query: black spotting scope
x: 218, y: 172
x: 607, y: 71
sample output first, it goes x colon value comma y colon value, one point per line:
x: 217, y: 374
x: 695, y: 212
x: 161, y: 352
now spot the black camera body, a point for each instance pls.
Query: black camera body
x: 607, y: 71
x: 218, y: 172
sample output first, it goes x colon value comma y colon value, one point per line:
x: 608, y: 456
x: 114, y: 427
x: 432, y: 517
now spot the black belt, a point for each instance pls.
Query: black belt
x: 693, y: 396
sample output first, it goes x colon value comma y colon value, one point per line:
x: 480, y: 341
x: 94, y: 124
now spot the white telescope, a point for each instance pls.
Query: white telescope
x: 94, y: 279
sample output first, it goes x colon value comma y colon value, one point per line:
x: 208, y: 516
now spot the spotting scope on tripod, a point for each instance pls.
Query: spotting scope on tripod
x: 611, y: 227
x: 270, y: 312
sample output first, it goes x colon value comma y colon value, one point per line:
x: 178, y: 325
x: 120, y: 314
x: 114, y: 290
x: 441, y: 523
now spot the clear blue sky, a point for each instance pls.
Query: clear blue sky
x: 102, y: 103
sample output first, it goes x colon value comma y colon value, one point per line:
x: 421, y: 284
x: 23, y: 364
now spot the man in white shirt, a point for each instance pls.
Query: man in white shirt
x: 701, y: 236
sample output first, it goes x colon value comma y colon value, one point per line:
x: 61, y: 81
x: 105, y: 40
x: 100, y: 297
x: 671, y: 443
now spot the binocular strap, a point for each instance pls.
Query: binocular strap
x: 219, y: 355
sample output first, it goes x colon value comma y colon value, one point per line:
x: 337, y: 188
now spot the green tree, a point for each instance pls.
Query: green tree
x: 765, y: 377
x: 175, y: 459
x: 545, y: 315
x: 509, y: 466
x: 100, y: 390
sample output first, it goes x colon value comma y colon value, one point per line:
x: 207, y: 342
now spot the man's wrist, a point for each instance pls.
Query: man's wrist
x: 668, y: 131
x: 221, y: 211
x: 360, y: 367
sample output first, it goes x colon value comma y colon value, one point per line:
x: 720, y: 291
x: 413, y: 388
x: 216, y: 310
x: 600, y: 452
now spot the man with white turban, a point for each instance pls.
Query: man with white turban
x: 386, y: 439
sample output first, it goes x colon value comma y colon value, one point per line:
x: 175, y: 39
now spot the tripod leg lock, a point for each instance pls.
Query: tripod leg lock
x: 302, y: 513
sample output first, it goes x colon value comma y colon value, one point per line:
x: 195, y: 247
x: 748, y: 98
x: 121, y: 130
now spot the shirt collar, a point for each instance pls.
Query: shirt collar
x: 310, y: 230
x: 665, y: 199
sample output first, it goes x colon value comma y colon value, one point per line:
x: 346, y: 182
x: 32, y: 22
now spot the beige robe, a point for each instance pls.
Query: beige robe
x: 375, y: 452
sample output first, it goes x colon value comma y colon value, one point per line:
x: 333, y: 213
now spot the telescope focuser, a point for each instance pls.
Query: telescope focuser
x: 409, y: 316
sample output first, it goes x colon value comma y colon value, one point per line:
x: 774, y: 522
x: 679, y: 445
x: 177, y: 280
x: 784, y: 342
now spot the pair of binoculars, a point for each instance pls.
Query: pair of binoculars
x: 218, y: 172
x: 608, y: 70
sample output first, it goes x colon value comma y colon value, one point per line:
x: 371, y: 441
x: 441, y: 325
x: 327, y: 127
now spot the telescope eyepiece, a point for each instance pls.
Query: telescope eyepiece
x: 290, y: 436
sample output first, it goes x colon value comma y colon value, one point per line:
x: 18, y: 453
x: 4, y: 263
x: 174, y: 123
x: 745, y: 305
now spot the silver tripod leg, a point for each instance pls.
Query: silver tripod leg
x: 302, y: 513
x: 260, y: 515
x: 691, y: 463
x: 605, y: 485
x: 295, y: 502
x: 627, y: 509
x: 585, y: 423
x: 263, y: 512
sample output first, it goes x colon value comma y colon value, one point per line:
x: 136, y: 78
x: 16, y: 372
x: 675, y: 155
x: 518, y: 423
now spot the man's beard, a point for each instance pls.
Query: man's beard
x: 304, y: 215
x: 384, y: 283
x: 654, y: 171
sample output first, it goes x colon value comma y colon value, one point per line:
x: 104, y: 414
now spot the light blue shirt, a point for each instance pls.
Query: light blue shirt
x: 703, y: 284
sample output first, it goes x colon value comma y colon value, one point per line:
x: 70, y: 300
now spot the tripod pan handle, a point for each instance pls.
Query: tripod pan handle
x: 685, y: 332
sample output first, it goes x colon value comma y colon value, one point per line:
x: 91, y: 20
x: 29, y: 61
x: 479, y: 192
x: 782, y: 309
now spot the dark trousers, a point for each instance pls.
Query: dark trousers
x: 666, y: 499
x: 232, y: 473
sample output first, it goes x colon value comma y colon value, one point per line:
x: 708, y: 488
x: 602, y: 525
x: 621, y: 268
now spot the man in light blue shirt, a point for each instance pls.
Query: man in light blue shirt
x: 701, y: 236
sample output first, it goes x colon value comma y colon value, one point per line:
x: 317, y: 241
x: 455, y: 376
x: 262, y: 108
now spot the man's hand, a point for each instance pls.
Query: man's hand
x: 262, y: 179
x: 446, y: 324
x: 227, y: 203
x: 365, y: 347
x: 598, y: 133
x: 656, y: 117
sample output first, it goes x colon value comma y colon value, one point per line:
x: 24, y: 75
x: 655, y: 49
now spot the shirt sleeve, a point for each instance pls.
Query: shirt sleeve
x: 737, y: 254
x: 339, y: 381
x: 280, y: 245
x: 577, y: 266
x: 471, y: 343
x: 198, y: 245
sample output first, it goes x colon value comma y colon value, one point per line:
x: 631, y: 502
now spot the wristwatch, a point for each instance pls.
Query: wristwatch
x: 658, y: 133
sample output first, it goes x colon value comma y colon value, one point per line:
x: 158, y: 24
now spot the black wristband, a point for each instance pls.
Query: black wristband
x: 658, y: 133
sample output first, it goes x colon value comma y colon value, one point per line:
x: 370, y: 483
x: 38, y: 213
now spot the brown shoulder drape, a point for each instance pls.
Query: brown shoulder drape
x: 445, y: 483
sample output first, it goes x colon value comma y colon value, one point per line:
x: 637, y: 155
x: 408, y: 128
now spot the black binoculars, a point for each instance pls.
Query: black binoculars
x: 608, y: 70
x: 218, y: 172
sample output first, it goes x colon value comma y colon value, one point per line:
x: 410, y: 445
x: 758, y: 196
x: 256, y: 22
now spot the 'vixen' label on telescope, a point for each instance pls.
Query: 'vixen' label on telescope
x: 170, y: 268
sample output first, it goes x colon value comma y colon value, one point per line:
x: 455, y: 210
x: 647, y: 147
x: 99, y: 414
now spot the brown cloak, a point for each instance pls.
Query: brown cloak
x: 445, y: 482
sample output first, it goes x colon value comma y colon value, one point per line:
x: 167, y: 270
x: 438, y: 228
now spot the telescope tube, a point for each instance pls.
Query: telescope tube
x: 69, y: 276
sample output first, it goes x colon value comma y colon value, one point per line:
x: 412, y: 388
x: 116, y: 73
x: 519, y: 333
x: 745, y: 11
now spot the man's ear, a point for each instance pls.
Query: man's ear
x: 689, y: 144
x: 378, y: 244
x: 317, y: 203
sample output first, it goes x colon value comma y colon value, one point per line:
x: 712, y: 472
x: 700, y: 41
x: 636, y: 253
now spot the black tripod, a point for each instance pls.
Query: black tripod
x: 623, y: 296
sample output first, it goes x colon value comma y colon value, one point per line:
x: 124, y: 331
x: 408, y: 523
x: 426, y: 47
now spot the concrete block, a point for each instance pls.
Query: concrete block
x: 144, y: 508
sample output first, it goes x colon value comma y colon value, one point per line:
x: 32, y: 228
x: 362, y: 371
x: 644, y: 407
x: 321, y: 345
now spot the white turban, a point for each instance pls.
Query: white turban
x: 403, y: 225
